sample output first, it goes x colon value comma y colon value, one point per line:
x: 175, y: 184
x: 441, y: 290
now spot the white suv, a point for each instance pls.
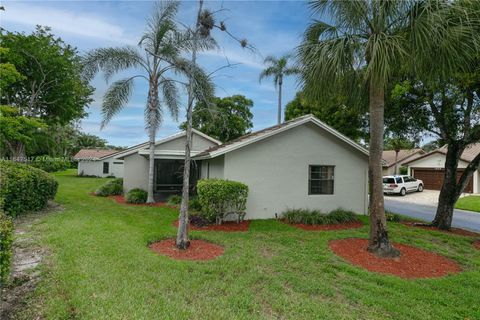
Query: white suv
x: 401, y: 184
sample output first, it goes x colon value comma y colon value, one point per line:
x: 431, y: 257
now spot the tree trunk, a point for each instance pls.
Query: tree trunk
x: 152, y: 104
x: 396, y: 164
x: 378, y: 243
x: 279, y: 114
x: 448, y: 194
x: 17, y: 150
x: 183, y: 241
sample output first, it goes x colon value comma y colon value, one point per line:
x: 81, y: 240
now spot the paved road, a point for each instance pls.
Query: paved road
x: 461, y: 219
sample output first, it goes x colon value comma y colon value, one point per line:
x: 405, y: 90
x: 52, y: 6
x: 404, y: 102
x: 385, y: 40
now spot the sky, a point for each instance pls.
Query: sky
x: 272, y: 27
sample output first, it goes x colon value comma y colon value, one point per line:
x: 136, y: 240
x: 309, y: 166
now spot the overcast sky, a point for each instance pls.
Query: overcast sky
x: 273, y: 27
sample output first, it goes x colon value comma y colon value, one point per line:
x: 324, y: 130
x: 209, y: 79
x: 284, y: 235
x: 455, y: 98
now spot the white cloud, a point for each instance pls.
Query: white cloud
x: 86, y: 25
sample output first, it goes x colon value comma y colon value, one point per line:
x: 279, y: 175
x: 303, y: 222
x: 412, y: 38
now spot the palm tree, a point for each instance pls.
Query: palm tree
x: 278, y: 68
x: 156, y: 59
x: 367, y: 41
x: 398, y: 144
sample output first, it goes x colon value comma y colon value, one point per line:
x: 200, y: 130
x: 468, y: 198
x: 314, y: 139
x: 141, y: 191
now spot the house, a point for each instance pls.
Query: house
x: 98, y: 163
x: 302, y: 163
x: 430, y: 168
x: 388, y: 156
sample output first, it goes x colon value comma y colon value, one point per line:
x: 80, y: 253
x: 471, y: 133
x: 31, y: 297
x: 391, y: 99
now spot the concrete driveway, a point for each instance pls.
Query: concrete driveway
x: 423, y: 205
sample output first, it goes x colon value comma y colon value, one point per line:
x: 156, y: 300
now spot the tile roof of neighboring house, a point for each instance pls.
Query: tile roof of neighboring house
x: 468, y: 154
x: 260, y: 134
x: 389, y: 156
x: 93, y: 154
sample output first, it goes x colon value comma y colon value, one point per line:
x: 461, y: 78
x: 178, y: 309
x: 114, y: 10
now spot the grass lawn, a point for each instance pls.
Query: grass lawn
x: 99, y: 267
x: 471, y: 203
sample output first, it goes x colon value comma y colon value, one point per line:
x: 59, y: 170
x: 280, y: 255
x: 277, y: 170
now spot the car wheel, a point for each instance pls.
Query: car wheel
x: 403, y: 192
x: 420, y: 188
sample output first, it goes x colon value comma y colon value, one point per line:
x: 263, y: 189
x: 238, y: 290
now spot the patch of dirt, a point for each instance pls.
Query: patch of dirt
x: 476, y: 244
x: 413, y: 262
x: 199, y: 250
x: 455, y: 231
x: 27, y: 255
x: 229, y: 226
x: 327, y: 227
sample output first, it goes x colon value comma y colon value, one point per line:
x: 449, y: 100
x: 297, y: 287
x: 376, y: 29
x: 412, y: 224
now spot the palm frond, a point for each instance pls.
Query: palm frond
x: 115, y: 99
x: 170, y: 96
x: 268, y: 72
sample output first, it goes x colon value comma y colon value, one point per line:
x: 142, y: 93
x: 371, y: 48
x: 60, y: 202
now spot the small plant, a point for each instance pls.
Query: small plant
x: 6, y: 240
x: 136, y: 196
x: 174, y: 200
x: 312, y: 217
x: 393, y: 217
x: 198, y: 221
x: 111, y: 188
x: 194, y: 204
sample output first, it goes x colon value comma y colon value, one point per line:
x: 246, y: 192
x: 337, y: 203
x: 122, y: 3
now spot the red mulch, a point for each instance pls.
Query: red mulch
x: 198, y: 250
x: 229, y: 226
x: 327, y: 227
x: 456, y: 231
x: 476, y: 244
x: 412, y: 263
x: 121, y: 200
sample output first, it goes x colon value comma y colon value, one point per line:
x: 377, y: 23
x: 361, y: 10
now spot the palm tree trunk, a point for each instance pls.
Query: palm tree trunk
x: 152, y: 104
x: 396, y: 164
x: 279, y: 114
x: 183, y: 241
x: 379, y: 243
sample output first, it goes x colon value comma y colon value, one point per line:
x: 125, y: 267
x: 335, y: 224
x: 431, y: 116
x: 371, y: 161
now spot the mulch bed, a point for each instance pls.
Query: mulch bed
x: 199, y: 250
x: 456, y: 231
x: 327, y: 227
x: 476, y: 244
x: 229, y: 226
x: 121, y: 200
x: 412, y: 263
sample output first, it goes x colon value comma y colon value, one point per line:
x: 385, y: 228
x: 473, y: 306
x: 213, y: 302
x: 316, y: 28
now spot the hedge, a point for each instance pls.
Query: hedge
x: 6, y: 240
x: 136, y: 196
x: 312, y: 217
x: 218, y: 197
x: 50, y: 164
x: 24, y: 188
x: 113, y: 187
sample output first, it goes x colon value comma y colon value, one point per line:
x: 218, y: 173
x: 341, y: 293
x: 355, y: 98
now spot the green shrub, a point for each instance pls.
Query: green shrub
x: 194, y: 204
x: 50, y: 164
x: 306, y: 216
x: 24, y: 188
x: 174, y: 200
x: 218, y: 196
x: 6, y: 240
x: 113, y: 187
x: 393, y: 217
x: 136, y: 196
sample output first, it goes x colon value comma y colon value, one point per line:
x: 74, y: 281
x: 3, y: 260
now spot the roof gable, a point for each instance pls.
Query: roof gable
x: 270, y: 131
x: 468, y: 154
x: 389, y: 156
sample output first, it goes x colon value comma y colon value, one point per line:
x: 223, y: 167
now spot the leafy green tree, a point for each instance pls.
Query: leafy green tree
x: 361, y: 48
x: 333, y: 111
x: 17, y: 130
x: 278, y: 68
x: 51, y: 87
x: 224, y: 119
x: 155, y: 61
x: 8, y: 73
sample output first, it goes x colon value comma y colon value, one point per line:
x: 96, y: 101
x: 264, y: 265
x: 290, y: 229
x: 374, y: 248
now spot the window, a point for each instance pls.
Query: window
x: 105, y: 167
x: 388, y: 180
x: 320, y: 179
x: 399, y: 179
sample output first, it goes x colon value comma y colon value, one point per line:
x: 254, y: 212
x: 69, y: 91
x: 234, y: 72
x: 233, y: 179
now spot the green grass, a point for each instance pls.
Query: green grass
x: 471, y: 203
x: 99, y: 267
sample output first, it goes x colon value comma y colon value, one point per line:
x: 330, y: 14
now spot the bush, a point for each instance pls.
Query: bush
x: 174, y: 200
x: 306, y: 216
x: 113, y: 187
x: 393, y: 217
x: 136, y: 196
x: 218, y: 197
x: 24, y: 188
x: 6, y: 240
x: 194, y: 204
x: 50, y: 164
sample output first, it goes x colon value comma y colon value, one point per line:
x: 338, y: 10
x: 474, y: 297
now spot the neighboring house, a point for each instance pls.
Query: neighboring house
x: 404, y: 156
x: 430, y: 168
x: 302, y: 163
x: 99, y: 163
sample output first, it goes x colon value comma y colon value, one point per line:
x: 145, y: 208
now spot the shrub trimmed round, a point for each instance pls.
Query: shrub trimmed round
x: 6, y: 241
x: 113, y: 187
x: 50, y: 164
x: 136, y: 196
x: 24, y: 188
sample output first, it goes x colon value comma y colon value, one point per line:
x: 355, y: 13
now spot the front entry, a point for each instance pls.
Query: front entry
x: 169, y: 177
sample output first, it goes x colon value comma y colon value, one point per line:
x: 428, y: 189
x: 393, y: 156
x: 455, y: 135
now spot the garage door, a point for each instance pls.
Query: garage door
x: 433, y: 179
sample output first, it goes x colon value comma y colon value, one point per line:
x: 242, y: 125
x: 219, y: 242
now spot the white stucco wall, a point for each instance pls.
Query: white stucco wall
x: 276, y: 171
x: 95, y: 168
x: 213, y: 168
x: 435, y: 160
x: 135, y: 172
